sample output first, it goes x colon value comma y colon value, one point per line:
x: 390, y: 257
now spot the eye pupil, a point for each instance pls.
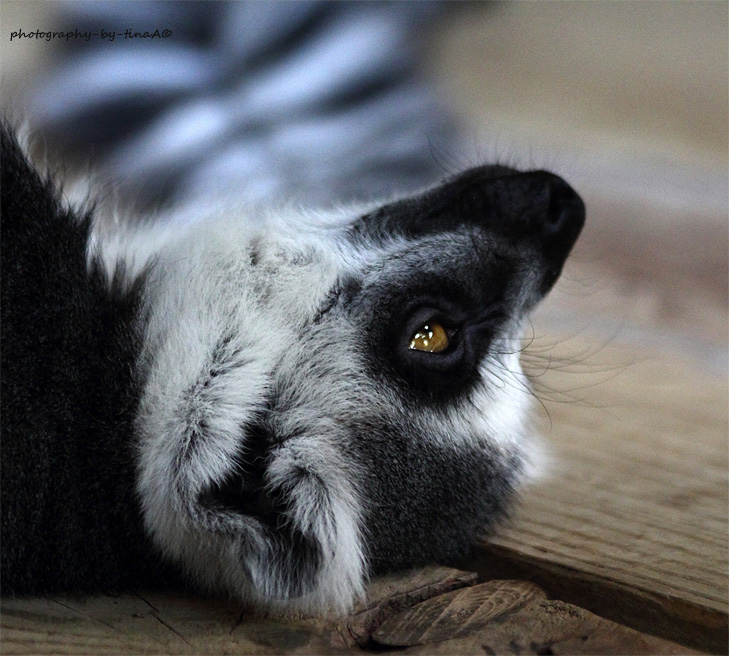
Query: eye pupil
x: 430, y: 337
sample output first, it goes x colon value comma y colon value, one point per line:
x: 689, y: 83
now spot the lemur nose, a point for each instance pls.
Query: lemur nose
x: 554, y: 220
x: 535, y: 206
x: 565, y: 208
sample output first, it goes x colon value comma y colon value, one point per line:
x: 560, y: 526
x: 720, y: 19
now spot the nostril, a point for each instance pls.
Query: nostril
x: 565, y: 207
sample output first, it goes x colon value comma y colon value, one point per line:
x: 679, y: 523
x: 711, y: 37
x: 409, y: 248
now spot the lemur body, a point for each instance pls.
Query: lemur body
x: 248, y: 398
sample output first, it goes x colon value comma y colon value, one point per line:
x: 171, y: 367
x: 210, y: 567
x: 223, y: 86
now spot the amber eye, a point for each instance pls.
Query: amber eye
x: 430, y: 337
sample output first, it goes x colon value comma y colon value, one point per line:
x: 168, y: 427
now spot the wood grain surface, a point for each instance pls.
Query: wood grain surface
x: 456, y: 614
x: 419, y: 610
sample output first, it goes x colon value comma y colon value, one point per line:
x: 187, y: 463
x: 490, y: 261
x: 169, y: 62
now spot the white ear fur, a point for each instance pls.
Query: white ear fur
x: 326, y: 507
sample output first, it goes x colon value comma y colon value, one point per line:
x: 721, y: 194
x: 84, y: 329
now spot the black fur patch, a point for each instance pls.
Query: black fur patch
x: 70, y: 518
x: 293, y: 557
x: 427, y: 501
x: 535, y: 208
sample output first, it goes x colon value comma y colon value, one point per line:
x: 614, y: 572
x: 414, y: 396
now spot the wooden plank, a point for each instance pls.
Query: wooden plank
x: 431, y: 610
x: 125, y: 624
x: 549, y: 628
x: 456, y: 614
x: 500, y: 617
x: 392, y: 594
x: 637, y: 504
x: 174, y: 623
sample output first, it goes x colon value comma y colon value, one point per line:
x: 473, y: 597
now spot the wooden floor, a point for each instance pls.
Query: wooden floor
x: 430, y: 611
x: 623, y: 548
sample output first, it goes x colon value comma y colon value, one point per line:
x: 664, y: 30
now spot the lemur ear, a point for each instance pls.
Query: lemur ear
x: 241, y: 508
x: 280, y: 558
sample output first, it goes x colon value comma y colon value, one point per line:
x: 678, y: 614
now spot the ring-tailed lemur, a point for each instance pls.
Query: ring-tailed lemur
x: 277, y: 404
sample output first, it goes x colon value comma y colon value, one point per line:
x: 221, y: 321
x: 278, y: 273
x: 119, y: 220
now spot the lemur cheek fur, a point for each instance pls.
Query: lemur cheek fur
x: 273, y: 405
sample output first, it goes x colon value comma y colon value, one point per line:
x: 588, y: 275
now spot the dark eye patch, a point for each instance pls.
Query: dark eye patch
x: 451, y: 371
x: 467, y: 281
x: 424, y: 376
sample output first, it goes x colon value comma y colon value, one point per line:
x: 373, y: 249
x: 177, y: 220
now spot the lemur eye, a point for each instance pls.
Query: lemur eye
x: 430, y: 337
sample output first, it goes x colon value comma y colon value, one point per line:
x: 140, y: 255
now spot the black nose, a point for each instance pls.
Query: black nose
x: 536, y: 209
x: 535, y: 206
x: 553, y: 218
x: 558, y: 213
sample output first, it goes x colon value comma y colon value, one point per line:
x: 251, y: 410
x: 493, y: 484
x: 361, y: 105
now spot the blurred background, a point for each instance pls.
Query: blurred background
x: 626, y: 100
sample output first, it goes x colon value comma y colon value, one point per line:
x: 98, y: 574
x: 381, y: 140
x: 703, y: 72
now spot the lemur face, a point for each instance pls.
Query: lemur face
x: 328, y: 397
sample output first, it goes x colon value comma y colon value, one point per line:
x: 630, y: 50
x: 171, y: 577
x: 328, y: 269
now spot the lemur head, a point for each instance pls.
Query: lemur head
x: 330, y: 396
